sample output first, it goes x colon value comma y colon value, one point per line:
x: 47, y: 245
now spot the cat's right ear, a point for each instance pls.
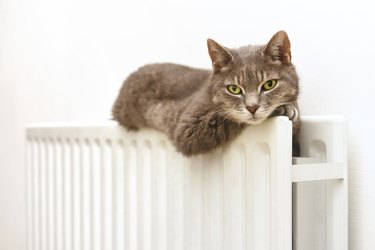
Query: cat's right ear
x: 220, y: 56
x: 278, y: 48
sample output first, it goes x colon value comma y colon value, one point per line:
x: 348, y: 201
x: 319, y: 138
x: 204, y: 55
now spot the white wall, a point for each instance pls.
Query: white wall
x: 65, y: 60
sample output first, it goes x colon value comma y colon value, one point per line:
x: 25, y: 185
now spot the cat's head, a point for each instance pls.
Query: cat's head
x: 251, y: 83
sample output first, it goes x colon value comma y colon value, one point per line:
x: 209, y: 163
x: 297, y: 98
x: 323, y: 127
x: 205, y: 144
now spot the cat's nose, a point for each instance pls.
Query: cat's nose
x: 252, y: 109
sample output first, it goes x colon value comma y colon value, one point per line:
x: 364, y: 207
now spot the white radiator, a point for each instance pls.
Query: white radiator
x: 95, y: 186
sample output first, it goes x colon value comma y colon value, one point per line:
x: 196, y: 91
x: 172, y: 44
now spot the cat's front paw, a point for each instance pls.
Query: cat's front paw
x: 291, y: 112
x: 288, y: 110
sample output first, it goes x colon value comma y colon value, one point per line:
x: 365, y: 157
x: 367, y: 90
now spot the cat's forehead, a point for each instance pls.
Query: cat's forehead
x: 252, y: 58
x: 254, y: 73
x: 250, y: 52
x: 247, y: 76
x: 252, y: 67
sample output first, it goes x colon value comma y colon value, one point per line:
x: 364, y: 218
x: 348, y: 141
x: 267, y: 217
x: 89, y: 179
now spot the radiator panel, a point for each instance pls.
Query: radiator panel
x: 101, y: 187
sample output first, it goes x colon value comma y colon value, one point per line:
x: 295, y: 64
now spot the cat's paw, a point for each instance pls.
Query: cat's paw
x: 291, y: 112
x: 287, y: 110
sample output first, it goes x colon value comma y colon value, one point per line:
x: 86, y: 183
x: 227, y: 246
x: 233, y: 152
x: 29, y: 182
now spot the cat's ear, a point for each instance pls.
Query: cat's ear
x: 278, y: 48
x: 220, y: 56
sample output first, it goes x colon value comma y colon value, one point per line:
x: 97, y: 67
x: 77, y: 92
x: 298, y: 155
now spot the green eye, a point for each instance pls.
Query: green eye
x: 234, y: 89
x: 270, y: 84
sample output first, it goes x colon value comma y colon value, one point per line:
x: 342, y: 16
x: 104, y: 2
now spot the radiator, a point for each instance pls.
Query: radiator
x: 96, y: 186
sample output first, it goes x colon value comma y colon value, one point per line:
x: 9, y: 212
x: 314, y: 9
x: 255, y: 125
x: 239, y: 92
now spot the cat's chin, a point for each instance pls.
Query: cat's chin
x: 254, y: 121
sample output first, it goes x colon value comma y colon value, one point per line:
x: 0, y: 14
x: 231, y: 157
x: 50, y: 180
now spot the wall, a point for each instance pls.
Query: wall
x: 65, y: 60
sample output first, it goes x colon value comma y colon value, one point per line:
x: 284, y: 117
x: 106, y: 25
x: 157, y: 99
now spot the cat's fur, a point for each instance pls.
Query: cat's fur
x: 194, y: 107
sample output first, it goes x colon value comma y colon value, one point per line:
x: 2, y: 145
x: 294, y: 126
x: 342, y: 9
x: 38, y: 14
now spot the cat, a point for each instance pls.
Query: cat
x: 201, y: 109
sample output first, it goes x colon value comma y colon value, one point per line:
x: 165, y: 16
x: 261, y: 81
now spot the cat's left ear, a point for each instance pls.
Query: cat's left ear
x: 278, y: 48
x: 220, y: 56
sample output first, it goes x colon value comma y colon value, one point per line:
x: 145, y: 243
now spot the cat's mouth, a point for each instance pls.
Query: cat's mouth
x: 255, y: 120
x: 251, y: 119
x: 243, y: 116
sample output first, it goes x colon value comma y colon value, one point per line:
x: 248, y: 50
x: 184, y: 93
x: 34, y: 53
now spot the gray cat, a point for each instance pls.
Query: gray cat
x: 201, y: 109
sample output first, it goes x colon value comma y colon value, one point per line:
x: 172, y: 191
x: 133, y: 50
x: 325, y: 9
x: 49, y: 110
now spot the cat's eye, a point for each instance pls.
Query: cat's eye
x: 234, y: 89
x: 270, y: 84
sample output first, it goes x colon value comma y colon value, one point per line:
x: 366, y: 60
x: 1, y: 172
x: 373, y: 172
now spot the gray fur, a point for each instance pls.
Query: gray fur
x: 193, y: 106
